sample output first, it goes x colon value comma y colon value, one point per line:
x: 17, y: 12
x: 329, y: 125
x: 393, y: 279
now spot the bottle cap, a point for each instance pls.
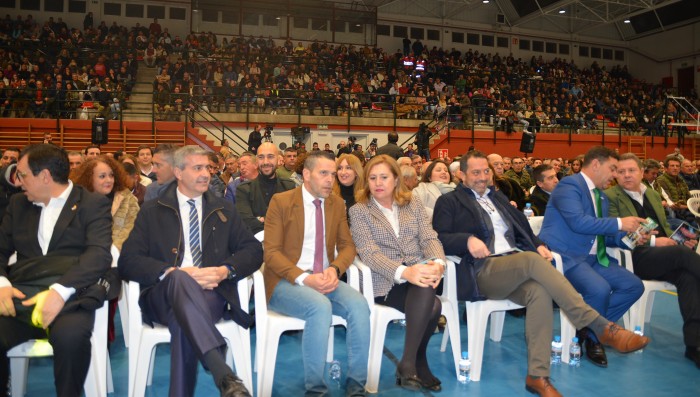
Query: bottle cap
x: 557, y: 338
x: 575, y: 340
x: 465, y: 355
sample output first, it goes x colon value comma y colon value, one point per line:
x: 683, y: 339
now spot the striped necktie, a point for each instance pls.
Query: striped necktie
x: 195, y: 248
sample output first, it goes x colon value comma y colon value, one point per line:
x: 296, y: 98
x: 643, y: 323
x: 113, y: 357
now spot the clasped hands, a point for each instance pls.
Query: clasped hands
x: 207, y: 277
x: 47, y: 304
x: 426, y: 274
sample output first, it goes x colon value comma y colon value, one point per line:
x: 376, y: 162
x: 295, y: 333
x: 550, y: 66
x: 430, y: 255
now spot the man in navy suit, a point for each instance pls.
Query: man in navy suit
x: 577, y: 227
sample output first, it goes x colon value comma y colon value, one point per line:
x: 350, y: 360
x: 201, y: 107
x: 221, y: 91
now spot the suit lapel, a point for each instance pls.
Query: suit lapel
x: 584, y: 187
x: 68, y: 212
x: 296, y: 220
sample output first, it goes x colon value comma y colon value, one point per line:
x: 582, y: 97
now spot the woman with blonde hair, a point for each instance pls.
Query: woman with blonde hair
x: 395, y: 239
x: 350, y: 178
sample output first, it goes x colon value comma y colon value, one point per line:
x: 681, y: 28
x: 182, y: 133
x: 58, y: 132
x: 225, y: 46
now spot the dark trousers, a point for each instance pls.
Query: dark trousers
x: 680, y: 266
x: 190, y: 314
x: 69, y: 336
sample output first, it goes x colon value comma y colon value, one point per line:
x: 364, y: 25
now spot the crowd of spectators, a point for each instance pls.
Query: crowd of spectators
x: 265, y: 75
x: 52, y: 70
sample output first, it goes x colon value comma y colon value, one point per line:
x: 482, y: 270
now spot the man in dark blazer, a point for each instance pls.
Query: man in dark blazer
x: 663, y: 259
x: 302, y: 273
x: 546, y: 179
x: 391, y: 149
x: 577, y: 227
x: 62, y: 236
x: 477, y: 223
x: 253, y: 197
x: 188, y: 250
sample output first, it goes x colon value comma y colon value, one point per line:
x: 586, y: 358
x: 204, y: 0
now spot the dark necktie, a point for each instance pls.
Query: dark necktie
x: 194, y: 235
x: 318, y: 246
x: 600, y: 251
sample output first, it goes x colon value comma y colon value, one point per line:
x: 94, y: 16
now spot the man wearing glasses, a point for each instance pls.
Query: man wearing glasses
x: 64, y: 233
x: 253, y: 197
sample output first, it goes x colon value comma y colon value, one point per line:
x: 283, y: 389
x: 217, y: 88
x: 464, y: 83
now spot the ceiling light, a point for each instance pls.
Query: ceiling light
x: 626, y: 21
x: 485, y: 1
x: 278, y: 18
x: 562, y: 11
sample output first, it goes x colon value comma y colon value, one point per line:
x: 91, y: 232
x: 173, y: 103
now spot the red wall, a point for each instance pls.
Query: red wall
x: 552, y: 145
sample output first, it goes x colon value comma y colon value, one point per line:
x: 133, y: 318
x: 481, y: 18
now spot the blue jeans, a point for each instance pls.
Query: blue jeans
x: 317, y: 310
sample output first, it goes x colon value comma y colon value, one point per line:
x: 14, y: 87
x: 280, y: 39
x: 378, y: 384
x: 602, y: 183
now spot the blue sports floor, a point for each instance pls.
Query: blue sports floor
x: 660, y: 370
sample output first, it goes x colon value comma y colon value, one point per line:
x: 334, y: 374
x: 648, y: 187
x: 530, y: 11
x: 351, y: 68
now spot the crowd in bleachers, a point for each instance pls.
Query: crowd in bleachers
x: 264, y: 75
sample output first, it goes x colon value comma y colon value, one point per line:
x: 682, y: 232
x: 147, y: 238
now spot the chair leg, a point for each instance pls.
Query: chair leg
x: 376, y: 348
x: 453, y: 325
x: 331, y: 338
x: 568, y: 331
x: 476, y: 325
x: 151, y: 366
x: 497, y: 319
x: 267, y: 372
x: 650, y: 306
x: 124, y: 317
x: 18, y: 375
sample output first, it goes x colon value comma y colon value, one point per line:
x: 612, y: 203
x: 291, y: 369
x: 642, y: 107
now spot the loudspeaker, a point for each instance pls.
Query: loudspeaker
x: 527, y: 143
x: 100, y: 131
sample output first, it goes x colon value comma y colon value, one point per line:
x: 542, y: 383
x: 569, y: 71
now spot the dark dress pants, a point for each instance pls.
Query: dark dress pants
x: 679, y: 266
x: 190, y: 313
x: 69, y: 336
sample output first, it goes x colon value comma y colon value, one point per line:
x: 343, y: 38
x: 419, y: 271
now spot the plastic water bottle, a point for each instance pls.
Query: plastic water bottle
x: 638, y: 331
x: 575, y: 353
x: 528, y: 210
x: 334, y: 372
x: 464, y: 367
x: 556, y: 350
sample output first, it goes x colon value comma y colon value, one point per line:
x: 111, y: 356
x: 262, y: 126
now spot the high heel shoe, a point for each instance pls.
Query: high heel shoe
x: 412, y: 382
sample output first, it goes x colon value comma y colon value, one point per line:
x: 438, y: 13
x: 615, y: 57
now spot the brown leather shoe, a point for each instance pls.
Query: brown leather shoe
x: 621, y: 339
x: 541, y: 386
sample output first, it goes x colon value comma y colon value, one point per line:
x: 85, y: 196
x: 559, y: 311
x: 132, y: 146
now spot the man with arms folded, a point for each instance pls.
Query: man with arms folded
x: 62, y: 235
x: 474, y: 222
x: 577, y: 227
x: 663, y: 258
x: 188, y: 250
x: 304, y: 228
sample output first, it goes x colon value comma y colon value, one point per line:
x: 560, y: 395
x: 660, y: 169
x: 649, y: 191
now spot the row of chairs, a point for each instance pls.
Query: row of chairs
x: 142, y: 339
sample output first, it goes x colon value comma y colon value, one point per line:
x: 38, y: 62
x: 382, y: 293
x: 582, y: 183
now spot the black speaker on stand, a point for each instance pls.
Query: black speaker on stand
x: 100, y: 131
x: 527, y: 143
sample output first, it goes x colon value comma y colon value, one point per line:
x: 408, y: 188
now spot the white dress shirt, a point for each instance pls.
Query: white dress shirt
x: 185, y: 217
x: 308, y: 247
x: 500, y: 244
x: 591, y: 186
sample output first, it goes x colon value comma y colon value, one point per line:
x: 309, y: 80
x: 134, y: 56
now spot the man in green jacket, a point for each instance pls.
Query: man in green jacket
x: 663, y: 258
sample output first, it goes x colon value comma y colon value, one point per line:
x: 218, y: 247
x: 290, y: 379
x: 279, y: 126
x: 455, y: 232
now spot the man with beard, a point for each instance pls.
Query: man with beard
x: 252, y: 198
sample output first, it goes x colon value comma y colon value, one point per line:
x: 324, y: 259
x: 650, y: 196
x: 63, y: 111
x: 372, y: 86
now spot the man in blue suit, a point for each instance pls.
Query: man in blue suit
x: 577, y: 227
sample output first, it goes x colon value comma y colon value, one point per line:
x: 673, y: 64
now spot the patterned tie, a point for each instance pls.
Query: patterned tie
x: 194, y: 235
x: 600, y: 251
x: 318, y: 246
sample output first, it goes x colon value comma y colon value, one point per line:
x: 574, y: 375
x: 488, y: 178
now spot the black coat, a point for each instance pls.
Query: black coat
x: 157, y: 242
x: 251, y: 204
x: 458, y: 216
x: 539, y: 199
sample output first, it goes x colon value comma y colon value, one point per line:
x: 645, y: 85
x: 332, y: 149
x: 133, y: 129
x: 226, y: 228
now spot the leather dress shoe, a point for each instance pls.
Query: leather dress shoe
x: 693, y: 354
x: 596, y: 353
x: 622, y: 340
x: 232, y: 386
x: 541, y: 386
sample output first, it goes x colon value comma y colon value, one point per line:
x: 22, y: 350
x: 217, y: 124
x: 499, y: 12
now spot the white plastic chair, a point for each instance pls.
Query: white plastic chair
x: 144, y: 339
x: 695, y: 193
x: 382, y: 315
x: 693, y: 204
x: 640, y: 312
x: 99, y: 378
x: 269, y: 326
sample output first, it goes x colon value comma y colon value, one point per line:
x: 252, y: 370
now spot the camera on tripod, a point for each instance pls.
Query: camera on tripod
x: 267, y: 135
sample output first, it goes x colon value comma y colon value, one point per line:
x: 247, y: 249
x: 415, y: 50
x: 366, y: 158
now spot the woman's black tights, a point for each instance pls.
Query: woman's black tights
x: 422, y: 310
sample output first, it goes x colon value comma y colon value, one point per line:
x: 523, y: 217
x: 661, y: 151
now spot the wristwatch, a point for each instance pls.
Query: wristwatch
x: 231, y: 272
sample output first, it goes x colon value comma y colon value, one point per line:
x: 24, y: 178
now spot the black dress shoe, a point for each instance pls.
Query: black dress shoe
x: 232, y: 386
x: 693, y: 354
x: 596, y: 353
x: 412, y: 382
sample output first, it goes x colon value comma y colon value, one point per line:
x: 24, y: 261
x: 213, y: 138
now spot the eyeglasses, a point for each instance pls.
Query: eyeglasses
x: 486, y: 205
x: 21, y: 175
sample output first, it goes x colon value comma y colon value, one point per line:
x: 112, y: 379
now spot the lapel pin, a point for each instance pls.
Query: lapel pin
x: 75, y: 207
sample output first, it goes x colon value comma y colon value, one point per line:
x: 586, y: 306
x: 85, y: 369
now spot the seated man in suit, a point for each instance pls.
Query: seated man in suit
x: 188, y: 250
x: 475, y: 222
x: 681, y: 266
x: 62, y: 235
x: 577, y: 227
x: 253, y: 197
x: 546, y: 178
x: 304, y: 228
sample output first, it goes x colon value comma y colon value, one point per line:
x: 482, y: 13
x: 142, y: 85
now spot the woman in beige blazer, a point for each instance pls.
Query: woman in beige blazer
x: 395, y: 239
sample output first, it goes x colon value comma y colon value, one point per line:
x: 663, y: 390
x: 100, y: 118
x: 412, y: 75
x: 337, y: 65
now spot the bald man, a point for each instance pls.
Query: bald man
x: 510, y: 187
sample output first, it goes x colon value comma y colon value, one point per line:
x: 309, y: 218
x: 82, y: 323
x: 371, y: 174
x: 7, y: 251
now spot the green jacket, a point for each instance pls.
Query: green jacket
x: 524, y: 179
x: 621, y: 206
x: 675, y: 187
